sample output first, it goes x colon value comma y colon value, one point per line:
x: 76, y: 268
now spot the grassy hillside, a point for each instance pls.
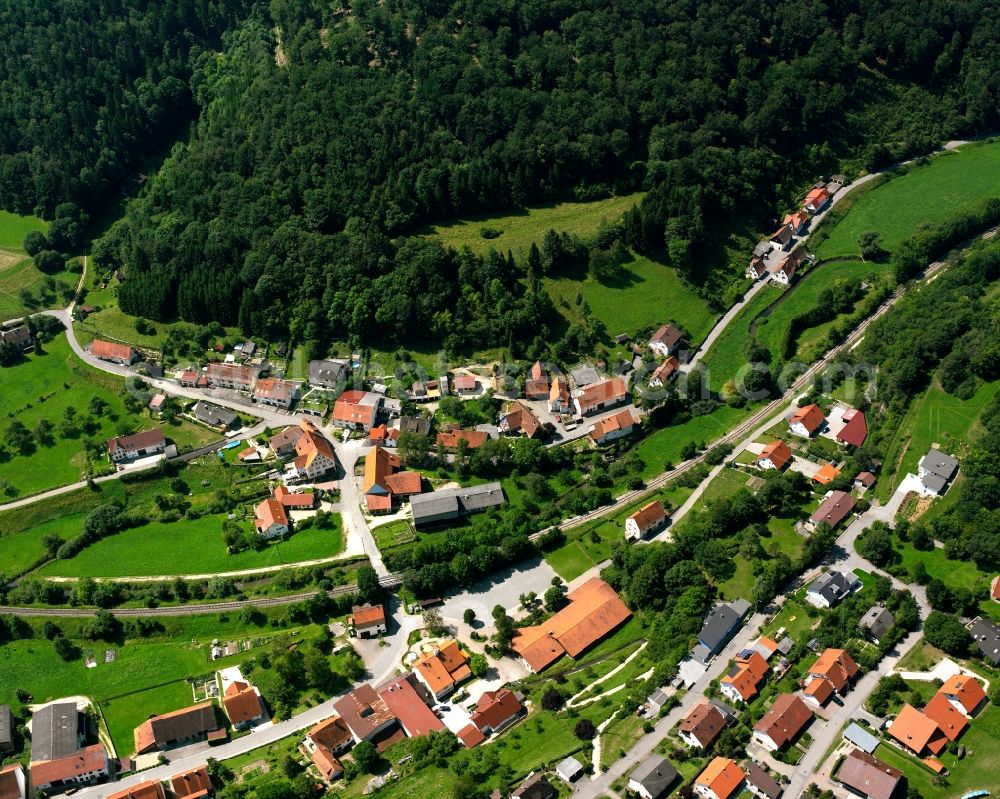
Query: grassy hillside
x: 647, y: 294
x: 519, y: 228
x: 949, y: 184
x: 22, y: 287
x: 14, y: 227
x: 729, y: 352
x: 44, y: 387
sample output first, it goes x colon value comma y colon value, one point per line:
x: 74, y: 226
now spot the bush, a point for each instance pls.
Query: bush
x: 585, y: 730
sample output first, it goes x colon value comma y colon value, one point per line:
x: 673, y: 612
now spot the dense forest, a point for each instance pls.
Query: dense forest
x: 89, y: 88
x: 327, y: 137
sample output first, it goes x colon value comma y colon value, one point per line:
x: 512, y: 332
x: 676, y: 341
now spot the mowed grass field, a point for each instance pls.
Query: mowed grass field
x: 14, y: 227
x: 647, y: 294
x: 524, y: 226
x: 951, y: 183
x: 18, y: 273
x: 934, y: 418
x: 188, y: 547
x: 729, y: 352
x: 665, y: 445
x: 803, y: 297
x: 43, y: 387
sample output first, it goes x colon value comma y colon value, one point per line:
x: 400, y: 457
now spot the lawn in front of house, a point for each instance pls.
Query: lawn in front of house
x: 936, y: 417
x: 125, y: 713
x: 394, y: 534
x: 44, y: 387
x: 949, y: 184
x: 953, y: 573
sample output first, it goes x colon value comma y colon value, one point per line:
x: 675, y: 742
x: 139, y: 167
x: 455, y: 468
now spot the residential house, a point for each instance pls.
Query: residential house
x: 650, y: 518
x: 559, y: 399
x: 855, y: 429
x: 791, y: 262
x: 193, y: 784
x: 156, y: 403
x: 329, y: 373
x: 720, y: 625
x: 600, y: 396
x: 249, y: 455
x: 449, y: 439
x: 454, y: 503
x: 701, y: 726
x: 829, y: 589
x: 356, y: 410
x: 652, y: 778
x: 149, y: 789
x: 917, y: 732
x: 995, y: 589
x: 214, y: 416
x: 798, y: 222
x: 807, y: 421
x: 385, y: 484
x: 190, y: 378
x: 469, y: 736
x: 283, y: 444
x: 742, y: 682
x: 787, y: 717
x: 666, y: 340
x: 82, y: 767
x: 235, y: 376
x: 569, y: 770
x: 781, y: 239
x: 613, y: 427
x: 13, y: 784
x: 986, y: 635
x: 114, y: 353
x: 594, y: 610
x: 124, y: 449
x: 836, y: 507
x: 964, y: 692
x: 869, y: 777
x: 57, y: 730
x: 292, y: 500
x: 761, y: 784
x: 864, y: 481
x: 18, y: 336
x: 369, y: 620
x: 314, y: 454
x: 816, y: 200
x: 365, y: 713
x: 243, y: 705
x: 276, y: 393
x: 443, y: 669
x: 520, y: 420
x: 187, y: 725
x: 496, y: 711
x: 465, y: 384
x: 832, y: 673
x: 721, y: 779
x: 827, y: 474
x: 537, y: 384
x: 417, y: 425
x: 325, y: 743
x: 535, y: 787
x: 6, y: 730
x: 936, y: 470
x: 776, y: 455
x: 271, y: 519
x: 409, y: 701
x: 877, y: 621
x: 758, y: 266
x: 949, y: 719
x: 662, y: 373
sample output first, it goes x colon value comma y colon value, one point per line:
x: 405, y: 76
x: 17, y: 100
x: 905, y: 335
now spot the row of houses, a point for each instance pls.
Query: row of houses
x: 193, y: 784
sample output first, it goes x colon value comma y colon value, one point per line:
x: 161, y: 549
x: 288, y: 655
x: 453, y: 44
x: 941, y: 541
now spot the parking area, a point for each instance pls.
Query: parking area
x: 503, y: 588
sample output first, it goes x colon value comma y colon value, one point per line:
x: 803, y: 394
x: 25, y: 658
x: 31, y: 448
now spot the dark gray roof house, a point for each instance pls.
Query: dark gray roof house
x: 214, y: 415
x: 719, y: 627
x: 653, y: 777
x: 6, y: 729
x: 828, y: 589
x: 936, y: 470
x: 55, y: 731
x: 877, y: 621
x: 761, y: 783
x: 415, y: 424
x: 986, y: 635
x: 329, y: 373
x: 535, y: 787
x: 452, y: 503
